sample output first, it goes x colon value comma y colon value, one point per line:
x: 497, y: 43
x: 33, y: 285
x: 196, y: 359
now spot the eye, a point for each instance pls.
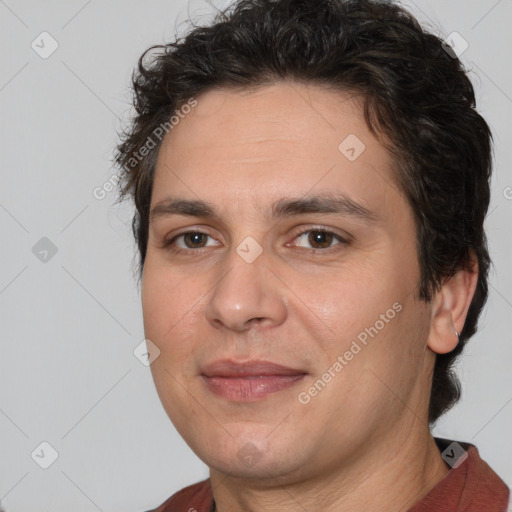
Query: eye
x: 194, y: 241
x: 320, y: 238
x: 190, y: 239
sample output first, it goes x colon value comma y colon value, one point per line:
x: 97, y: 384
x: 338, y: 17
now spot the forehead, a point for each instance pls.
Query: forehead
x: 284, y: 113
x: 282, y: 139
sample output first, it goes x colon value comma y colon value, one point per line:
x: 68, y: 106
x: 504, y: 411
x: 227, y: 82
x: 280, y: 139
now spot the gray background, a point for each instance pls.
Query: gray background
x: 69, y: 324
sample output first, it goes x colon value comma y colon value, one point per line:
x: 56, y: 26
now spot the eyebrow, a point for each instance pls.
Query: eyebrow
x: 324, y: 203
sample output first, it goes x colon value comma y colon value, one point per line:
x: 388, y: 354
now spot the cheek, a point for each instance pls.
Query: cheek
x: 169, y: 319
x: 353, y: 301
x: 375, y: 323
x: 169, y: 306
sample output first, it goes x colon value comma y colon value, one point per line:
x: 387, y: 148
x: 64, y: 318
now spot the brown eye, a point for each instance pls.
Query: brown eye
x: 322, y: 238
x: 319, y: 239
x: 188, y: 241
x: 194, y: 240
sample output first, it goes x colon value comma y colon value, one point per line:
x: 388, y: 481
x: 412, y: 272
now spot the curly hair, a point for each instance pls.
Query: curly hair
x: 417, y: 99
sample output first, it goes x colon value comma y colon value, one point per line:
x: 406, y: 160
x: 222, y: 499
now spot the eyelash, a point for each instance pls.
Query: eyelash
x: 168, y: 243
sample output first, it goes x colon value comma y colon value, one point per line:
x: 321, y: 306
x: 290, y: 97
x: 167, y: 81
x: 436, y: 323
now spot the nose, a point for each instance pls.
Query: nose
x: 247, y: 294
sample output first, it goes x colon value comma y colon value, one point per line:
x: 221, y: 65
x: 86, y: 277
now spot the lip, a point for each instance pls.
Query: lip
x: 250, y: 380
x: 253, y: 368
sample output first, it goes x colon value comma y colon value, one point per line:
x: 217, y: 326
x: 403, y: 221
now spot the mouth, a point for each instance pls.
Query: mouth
x: 249, y: 381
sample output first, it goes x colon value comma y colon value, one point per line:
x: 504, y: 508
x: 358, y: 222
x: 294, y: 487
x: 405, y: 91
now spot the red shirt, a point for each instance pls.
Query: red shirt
x: 470, y: 486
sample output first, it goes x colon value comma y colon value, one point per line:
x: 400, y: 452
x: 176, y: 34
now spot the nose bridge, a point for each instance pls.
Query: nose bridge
x: 247, y: 291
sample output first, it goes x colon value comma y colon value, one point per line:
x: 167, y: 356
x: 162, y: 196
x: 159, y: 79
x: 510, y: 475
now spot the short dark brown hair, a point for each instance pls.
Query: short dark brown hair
x: 417, y: 98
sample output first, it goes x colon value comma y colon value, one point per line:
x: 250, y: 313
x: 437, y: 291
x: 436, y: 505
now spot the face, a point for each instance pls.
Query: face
x: 284, y: 302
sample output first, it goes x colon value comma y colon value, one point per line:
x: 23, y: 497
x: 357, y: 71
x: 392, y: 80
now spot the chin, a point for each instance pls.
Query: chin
x: 251, y: 459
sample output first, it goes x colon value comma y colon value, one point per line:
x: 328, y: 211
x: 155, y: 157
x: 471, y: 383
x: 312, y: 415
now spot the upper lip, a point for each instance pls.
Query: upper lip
x: 230, y: 368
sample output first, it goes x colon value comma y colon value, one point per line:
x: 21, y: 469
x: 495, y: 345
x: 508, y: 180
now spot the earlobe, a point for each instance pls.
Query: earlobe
x: 450, y: 308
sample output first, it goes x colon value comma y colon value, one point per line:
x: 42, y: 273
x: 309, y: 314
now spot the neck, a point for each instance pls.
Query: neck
x: 393, y: 476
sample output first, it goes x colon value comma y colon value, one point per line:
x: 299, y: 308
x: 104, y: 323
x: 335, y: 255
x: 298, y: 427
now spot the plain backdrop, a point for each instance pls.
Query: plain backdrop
x: 69, y: 304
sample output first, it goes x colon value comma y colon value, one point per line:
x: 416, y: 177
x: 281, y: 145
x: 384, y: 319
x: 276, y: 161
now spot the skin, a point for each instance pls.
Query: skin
x: 363, y: 442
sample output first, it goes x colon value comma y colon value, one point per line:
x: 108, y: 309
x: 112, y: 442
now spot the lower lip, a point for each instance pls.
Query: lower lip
x: 248, y: 389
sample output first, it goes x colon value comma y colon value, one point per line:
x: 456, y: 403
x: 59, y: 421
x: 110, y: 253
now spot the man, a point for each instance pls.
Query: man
x: 311, y: 180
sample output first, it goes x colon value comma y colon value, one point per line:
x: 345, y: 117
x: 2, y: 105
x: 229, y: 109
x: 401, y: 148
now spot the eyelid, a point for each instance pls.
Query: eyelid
x: 343, y: 238
x: 169, y: 240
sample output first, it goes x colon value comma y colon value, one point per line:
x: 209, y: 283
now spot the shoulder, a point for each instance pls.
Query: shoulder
x: 484, y: 488
x: 194, y: 498
x: 471, y: 484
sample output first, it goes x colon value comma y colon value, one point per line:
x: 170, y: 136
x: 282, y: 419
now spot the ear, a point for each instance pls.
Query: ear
x: 450, y: 308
